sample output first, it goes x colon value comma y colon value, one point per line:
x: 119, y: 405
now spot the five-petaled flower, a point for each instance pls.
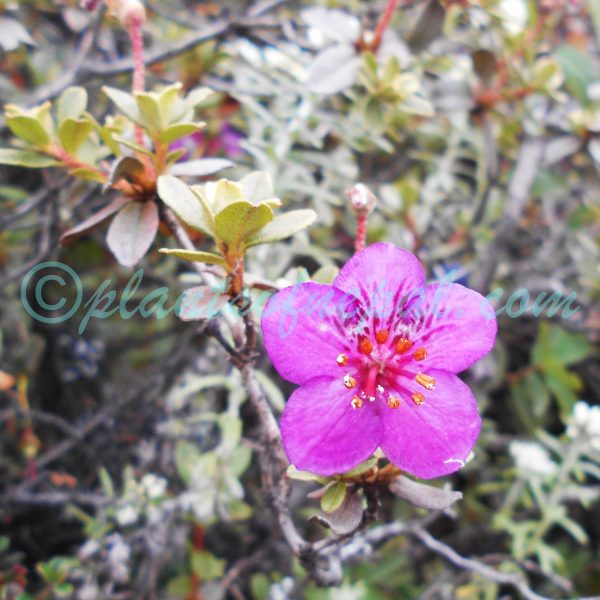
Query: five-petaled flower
x: 375, y: 355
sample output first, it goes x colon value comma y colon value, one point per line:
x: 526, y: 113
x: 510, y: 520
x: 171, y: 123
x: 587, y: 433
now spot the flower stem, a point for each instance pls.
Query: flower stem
x: 361, y: 232
x: 137, y: 47
x: 139, y: 76
x: 384, y: 21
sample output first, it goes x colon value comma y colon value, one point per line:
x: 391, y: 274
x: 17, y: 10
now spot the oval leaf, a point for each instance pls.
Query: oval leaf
x: 96, y: 219
x: 73, y: 133
x: 194, y: 256
x: 188, y: 205
x: 25, y: 158
x: 283, y: 226
x: 71, y: 104
x: 240, y: 221
x: 132, y: 232
x: 200, y: 302
x: 348, y: 517
x: 423, y: 495
x: 333, y: 498
x: 200, y: 167
x: 333, y: 70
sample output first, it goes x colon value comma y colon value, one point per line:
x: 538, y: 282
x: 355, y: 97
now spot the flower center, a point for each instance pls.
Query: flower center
x: 376, y: 366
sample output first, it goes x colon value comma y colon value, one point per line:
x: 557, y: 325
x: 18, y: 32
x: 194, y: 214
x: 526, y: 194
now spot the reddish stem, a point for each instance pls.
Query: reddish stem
x: 139, y: 79
x: 384, y: 22
x: 139, y: 76
x: 361, y: 232
x: 137, y: 47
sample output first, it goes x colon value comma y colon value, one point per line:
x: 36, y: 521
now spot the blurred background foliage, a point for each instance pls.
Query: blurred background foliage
x: 127, y: 453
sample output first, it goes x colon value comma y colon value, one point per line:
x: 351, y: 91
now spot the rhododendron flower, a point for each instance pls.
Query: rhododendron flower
x: 375, y: 355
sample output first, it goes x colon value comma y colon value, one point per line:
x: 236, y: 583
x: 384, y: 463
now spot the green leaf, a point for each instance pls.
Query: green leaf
x: 283, y: 226
x: 125, y: 102
x: 63, y: 590
x: 73, y: 133
x: 189, y: 205
x: 106, y: 482
x: 195, y: 256
x: 333, y: 498
x: 71, y: 104
x: 257, y: 187
x: 132, y: 145
x: 362, y: 468
x: 26, y: 158
x: 539, y: 398
x: 186, y: 105
x: 564, y: 395
x: 294, y: 473
x: 240, y: 221
x: 151, y: 117
x: 179, y: 586
x: 556, y: 345
x: 239, y: 460
x: 238, y: 510
x: 207, y: 566
x: 176, y: 132
x: 223, y: 193
x: 28, y: 129
x: 187, y: 457
x: 579, y: 69
x: 167, y: 99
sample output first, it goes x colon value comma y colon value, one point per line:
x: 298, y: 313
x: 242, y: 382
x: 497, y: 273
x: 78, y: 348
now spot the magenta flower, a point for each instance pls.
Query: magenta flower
x: 375, y: 355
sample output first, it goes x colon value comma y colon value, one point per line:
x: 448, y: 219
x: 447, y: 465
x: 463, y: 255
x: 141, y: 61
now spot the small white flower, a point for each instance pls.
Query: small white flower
x: 532, y: 459
x: 126, y: 515
x: 585, y: 422
x: 154, y: 486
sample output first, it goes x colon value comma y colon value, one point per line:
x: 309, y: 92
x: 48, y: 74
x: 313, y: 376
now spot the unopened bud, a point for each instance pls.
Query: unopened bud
x: 362, y: 199
x: 129, y: 12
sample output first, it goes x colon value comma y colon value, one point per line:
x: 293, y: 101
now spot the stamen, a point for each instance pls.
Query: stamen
x: 342, y: 360
x: 427, y: 381
x: 356, y: 402
x: 382, y: 336
x: 403, y: 345
x: 365, y: 346
x: 393, y: 402
x: 420, y: 354
x: 349, y: 381
x: 418, y: 398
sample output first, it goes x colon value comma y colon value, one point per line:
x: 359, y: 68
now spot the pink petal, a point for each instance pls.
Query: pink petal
x: 456, y: 326
x: 321, y: 431
x: 435, y: 438
x: 305, y: 329
x: 380, y: 276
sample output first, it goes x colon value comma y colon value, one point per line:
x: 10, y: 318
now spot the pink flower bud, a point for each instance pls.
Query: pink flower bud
x: 129, y: 12
x: 362, y: 199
